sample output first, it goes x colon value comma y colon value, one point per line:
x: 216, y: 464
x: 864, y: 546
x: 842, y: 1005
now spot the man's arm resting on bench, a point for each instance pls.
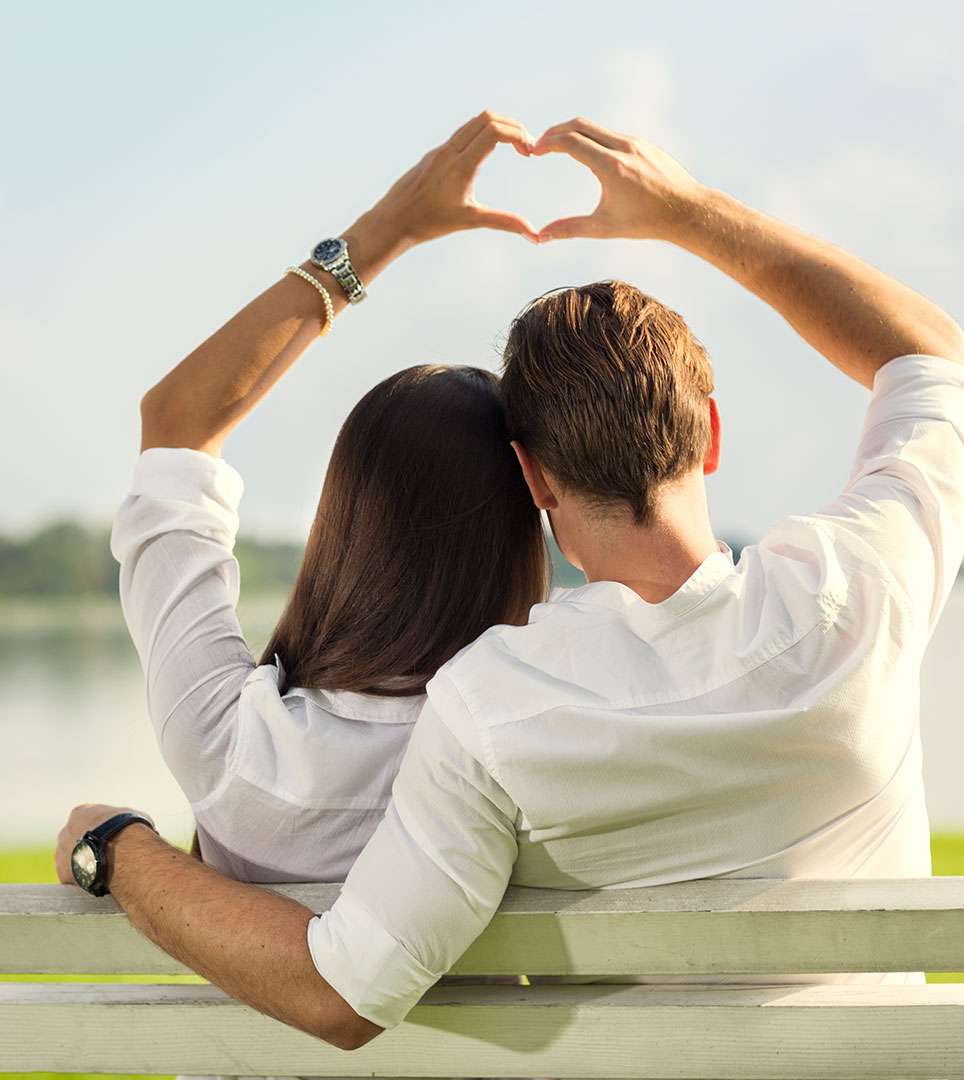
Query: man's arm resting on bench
x: 250, y: 942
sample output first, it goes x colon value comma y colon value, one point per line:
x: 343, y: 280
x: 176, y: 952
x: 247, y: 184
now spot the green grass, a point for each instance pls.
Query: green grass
x: 36, y: 865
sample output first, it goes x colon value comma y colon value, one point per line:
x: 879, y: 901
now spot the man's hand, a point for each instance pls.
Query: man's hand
x: 857, y: 317
x: 82, y: 819
x: 436, y: 196
x: 645, y: 192
x: 247, y: 940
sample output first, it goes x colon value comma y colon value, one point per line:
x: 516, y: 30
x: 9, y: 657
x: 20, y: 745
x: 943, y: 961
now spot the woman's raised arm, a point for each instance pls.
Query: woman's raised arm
x: 198, y: 403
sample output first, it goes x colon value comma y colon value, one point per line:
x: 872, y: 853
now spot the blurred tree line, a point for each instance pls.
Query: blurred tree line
x: 68, y: 558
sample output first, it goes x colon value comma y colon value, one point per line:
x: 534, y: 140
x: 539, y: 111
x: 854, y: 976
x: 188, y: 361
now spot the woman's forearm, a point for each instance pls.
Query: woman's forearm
x: 198, y: 403
x: 209, y: 392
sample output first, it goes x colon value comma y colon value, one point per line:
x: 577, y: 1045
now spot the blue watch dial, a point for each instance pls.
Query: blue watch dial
x: 328, y: 250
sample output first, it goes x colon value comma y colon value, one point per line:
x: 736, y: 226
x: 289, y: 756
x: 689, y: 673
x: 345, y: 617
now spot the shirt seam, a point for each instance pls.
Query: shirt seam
x: 232, y: 764
x: 902, y: 419
x: 894, y: 589
x: 488, y: 751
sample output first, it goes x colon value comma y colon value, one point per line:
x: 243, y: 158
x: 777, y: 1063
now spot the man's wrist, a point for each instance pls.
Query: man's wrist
x: 120, y: 849
x: 690, y: 213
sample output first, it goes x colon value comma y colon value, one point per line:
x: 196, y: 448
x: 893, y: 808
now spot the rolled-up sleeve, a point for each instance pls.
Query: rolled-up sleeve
x: 905, y: 497
x: 430, y: 878
x: 174, y: 537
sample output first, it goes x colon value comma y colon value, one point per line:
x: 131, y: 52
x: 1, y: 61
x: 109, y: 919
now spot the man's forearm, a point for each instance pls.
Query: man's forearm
x: 249, y: 941
x: 856, y: 316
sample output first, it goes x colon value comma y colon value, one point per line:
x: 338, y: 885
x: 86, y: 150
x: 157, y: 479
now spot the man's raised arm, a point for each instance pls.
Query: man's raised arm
x: 856, y: 316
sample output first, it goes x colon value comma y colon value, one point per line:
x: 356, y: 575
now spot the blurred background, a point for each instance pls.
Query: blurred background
x: 164, y: 163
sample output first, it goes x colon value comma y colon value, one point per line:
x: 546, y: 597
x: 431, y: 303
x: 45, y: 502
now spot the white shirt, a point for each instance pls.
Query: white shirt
x: 760, y: 722
x: 283, y: 788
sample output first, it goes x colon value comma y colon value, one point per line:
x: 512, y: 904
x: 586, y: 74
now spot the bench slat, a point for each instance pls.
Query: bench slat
x: 720, y: 927
x: 569, y: 1031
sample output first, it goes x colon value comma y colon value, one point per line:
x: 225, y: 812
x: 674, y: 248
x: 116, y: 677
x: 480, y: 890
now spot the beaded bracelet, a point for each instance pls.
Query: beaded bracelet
x: 325, y: 296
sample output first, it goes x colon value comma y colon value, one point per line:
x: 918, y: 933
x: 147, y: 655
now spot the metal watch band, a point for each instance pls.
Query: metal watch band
x: 339, y: 265
x: 344, y: 273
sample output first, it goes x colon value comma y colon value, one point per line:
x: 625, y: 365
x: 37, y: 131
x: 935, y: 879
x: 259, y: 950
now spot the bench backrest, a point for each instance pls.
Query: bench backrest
x: 714, y: 928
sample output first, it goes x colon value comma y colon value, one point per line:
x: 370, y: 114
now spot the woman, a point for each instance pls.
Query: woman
x: 424, y: 536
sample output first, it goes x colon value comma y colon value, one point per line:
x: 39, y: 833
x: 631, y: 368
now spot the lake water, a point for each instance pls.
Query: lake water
x: 75, y: 727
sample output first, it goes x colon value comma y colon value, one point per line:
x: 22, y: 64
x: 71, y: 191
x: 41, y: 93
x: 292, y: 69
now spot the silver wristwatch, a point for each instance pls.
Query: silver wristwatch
x: 332, y: 255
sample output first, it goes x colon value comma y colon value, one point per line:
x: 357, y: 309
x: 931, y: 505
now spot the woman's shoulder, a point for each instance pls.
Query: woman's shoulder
x: 314, y: 746
x: 263, y: 694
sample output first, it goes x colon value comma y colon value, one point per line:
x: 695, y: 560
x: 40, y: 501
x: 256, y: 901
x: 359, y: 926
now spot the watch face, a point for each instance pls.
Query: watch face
x: 328, y: 251
x: 83, y: 862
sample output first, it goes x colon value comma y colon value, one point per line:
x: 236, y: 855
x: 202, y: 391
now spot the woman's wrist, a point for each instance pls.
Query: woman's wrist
x: 375, y: 241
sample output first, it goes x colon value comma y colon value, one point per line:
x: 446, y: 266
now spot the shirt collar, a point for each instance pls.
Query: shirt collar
x: 349, y: 705
x: 618, y: 597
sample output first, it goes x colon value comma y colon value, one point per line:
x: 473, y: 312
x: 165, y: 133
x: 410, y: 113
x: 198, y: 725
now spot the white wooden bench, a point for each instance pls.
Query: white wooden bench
x: 753, y: 926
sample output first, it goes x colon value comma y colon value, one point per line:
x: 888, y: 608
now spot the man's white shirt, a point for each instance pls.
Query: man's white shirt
x: 761, y: 722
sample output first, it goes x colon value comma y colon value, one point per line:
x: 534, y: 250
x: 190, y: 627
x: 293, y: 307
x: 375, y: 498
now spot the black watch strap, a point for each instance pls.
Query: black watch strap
x: 112, y: 826
x: 94, y: 842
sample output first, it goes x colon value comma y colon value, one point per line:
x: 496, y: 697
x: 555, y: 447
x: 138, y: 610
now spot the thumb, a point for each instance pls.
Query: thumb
x: 484, y: 217
x: 569, y: 228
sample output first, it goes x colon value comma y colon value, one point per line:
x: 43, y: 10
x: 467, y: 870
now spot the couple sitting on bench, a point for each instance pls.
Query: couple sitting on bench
x: 425, y: 722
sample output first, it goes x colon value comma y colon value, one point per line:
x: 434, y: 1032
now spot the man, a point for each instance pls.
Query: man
x: 677, y: 717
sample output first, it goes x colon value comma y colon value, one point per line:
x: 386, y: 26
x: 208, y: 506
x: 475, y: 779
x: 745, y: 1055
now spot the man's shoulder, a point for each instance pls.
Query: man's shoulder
x: 506, y: 644
x: 506, y: 672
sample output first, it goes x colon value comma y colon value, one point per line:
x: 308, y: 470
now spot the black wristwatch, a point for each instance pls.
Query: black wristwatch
x: 88, y: 862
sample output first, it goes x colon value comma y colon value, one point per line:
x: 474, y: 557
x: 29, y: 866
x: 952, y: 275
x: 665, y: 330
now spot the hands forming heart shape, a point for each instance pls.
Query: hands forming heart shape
x: 644, y: 190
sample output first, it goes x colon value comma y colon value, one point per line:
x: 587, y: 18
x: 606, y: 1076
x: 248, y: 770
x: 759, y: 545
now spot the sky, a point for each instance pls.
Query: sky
x: 162, y: 164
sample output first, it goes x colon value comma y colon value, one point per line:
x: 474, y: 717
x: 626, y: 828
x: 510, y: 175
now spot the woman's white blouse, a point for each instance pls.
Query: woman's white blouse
x: 283, y: 787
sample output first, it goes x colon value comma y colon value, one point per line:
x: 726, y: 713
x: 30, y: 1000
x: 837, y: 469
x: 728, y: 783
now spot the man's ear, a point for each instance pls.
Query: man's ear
x: 711, y: 462
x: 542, y: 494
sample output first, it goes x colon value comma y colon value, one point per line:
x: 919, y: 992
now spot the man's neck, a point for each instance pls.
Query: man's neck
x: 653, y: 560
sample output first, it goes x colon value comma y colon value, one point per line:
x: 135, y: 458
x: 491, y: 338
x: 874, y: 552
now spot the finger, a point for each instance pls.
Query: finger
x: 64, y: 875
x: 484, y: 217
x: 468, y: 131
x: 611, y: 139
x: 570, y: 228
x: 589, y: 153
x: 489, y: 137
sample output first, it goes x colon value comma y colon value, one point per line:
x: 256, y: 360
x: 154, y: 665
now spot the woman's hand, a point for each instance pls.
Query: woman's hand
x: 645, y: 192
x: 209, y: 392
x: 435, y: 197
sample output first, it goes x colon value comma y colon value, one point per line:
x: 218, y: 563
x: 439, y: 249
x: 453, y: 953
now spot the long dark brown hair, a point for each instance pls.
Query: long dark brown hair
x: 425, y: 535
